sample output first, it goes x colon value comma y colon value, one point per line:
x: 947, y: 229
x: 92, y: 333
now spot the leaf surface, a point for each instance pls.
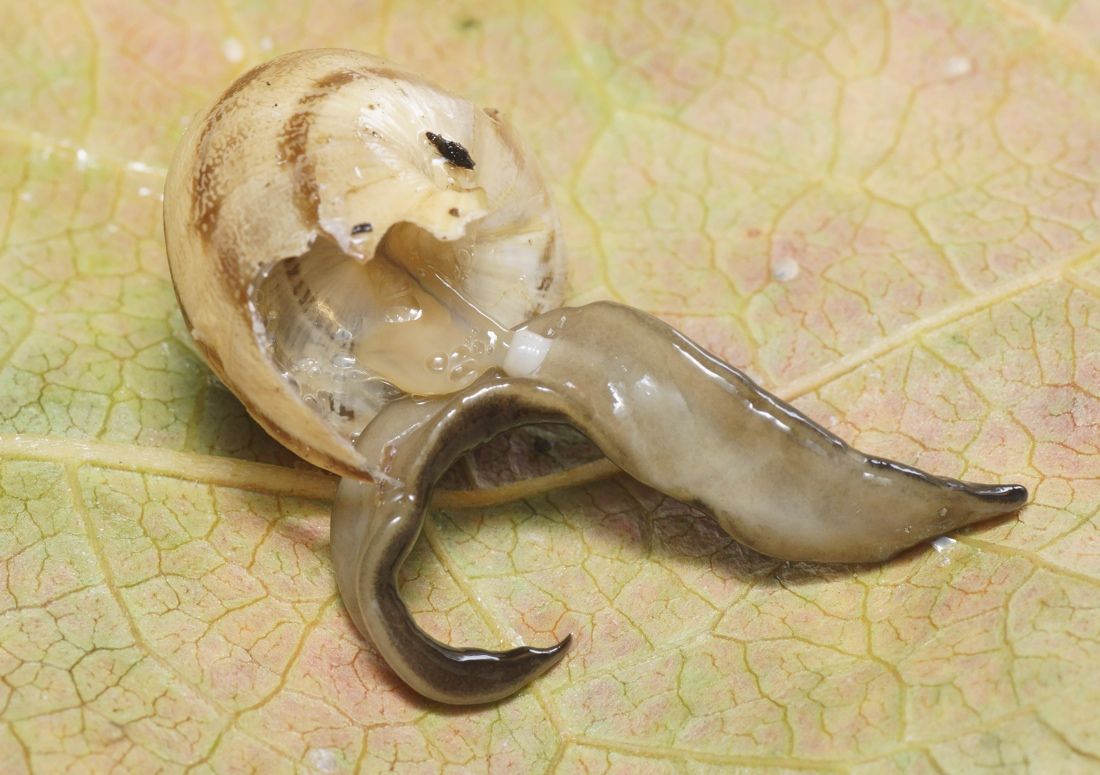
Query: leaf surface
x: 888, y: 213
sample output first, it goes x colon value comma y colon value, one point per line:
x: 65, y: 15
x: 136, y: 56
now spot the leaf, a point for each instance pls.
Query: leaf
x: 887, y: 213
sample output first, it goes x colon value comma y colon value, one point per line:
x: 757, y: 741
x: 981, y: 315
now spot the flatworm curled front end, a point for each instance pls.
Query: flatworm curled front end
x: 376, y: 524
x: 672, y: 416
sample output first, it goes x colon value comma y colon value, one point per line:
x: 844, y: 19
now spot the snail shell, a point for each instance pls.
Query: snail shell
x: 305, y: 210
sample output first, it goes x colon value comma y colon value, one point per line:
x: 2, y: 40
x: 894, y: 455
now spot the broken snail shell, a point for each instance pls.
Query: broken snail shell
x: 309, y: 214
x: 333, y: 215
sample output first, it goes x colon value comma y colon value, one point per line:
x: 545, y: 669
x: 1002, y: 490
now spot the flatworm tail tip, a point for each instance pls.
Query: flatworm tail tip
x: 1011, y: 494
x: 1005, y: 498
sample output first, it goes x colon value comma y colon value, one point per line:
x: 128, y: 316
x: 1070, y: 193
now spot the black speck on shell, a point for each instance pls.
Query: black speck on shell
x: 452, y: 151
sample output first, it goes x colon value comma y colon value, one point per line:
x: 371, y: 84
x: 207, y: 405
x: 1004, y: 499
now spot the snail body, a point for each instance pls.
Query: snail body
x: 369, y: 263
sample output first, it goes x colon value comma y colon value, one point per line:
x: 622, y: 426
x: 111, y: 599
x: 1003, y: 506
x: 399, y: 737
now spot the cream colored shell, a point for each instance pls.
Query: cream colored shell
x: 303, y: 151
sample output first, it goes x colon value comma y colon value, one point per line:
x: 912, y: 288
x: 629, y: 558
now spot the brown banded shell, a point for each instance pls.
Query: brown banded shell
x: 298, y: 207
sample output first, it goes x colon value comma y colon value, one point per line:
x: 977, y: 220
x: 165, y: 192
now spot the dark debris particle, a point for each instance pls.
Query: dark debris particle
x: 361, y: 228
x: 453, y: 152
x: 454, y: 211
x: 468, y: 23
